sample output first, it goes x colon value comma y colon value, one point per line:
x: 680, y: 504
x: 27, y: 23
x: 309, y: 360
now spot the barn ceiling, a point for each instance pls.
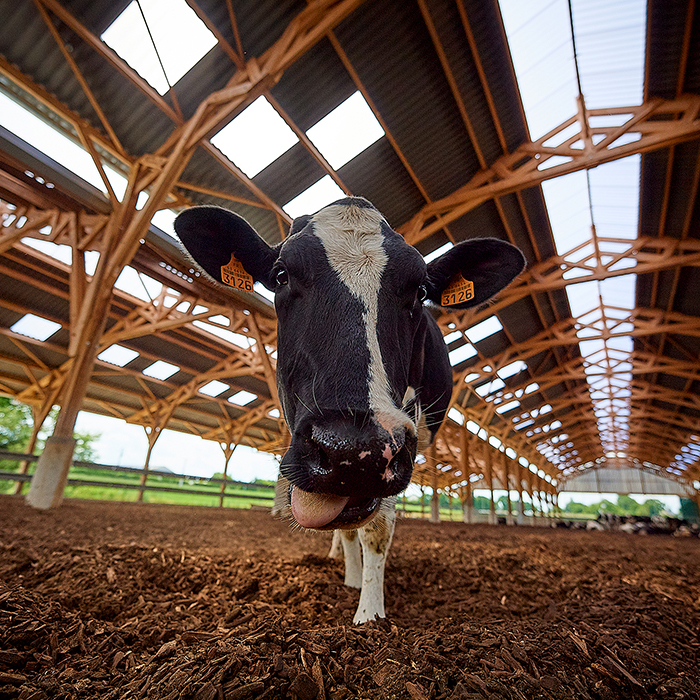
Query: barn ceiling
x: 568, y: 129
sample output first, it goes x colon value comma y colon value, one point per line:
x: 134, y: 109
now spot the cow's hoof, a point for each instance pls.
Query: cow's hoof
x: 362, y: 616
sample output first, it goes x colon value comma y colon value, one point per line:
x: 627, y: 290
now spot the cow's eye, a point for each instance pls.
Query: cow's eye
x: 422, y: 294
x: 281, y: 278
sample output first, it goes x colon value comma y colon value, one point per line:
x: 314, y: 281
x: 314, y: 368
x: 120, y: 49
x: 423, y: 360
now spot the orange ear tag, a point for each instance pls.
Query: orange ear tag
x: 234, y: 275
x: 458, y: 291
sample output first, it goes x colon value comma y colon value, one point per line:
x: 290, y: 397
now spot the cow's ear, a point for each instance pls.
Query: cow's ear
x: 473, y: 271
x: 217, y: 240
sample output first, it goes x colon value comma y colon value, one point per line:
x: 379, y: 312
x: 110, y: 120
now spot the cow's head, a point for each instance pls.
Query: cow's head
x: 357, y: 356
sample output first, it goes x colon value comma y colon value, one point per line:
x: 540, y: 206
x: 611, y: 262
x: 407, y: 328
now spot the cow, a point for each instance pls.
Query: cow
x: 363, y: 373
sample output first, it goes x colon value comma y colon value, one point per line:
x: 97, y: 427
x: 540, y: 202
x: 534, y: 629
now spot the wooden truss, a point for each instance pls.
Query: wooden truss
x: 649, y: 126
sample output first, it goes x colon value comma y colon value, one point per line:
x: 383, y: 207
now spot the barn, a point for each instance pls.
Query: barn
x: 568, y: 128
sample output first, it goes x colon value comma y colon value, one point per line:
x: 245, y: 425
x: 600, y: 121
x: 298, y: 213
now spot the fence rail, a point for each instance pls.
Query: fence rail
x: 222, y: 493
x: 224, y: 484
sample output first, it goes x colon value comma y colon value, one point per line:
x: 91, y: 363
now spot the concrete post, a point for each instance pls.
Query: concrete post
x: 47, y: 486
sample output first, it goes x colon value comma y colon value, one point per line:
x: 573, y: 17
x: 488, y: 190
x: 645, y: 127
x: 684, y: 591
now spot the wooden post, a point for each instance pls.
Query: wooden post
x: 531, y: 494
x: 88, y: 324
x: 152, y: 435
x: 467, y: 495
x: 520, y: 518
x: 39, y: 414
x: 506, y: 476
x: 228, y: 448
x: 493, y: 520
x: 422, y: 501
x: 435, y: 498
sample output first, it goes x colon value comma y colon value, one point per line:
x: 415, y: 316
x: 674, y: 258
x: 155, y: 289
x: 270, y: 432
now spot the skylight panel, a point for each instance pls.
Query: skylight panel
x: 164, y: 219
x: 60, y: 252
x: 118, y: 355
x: 569, y: 210
x: 34, y: 130
x: 472, y: 427
x: 611, y: 53
x: 242, y: 398
x: 324, y: 191
x: 456, y: 416
x: 438, y: 252
x: 161, y: 370
x: 462, y: 353
x: 451, y: 337
x: 35, y: 327
x: 264, y: 291
x: 507, y: 407
x: 180, y: 37
x: 490, y: 387
x: 511, y: 369
x: 539, y: 36
x: 346, y: 131
x: 484, y: 329
x: 255, y: 138
x: 237, y: 339
x: 213, y: 388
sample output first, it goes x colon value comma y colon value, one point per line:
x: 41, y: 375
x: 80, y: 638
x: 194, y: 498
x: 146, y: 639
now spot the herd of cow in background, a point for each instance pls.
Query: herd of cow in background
x: 635, y: 525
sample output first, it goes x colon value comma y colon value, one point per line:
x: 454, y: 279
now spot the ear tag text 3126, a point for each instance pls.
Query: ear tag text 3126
x: 234, y: 275
x: 459, y: 291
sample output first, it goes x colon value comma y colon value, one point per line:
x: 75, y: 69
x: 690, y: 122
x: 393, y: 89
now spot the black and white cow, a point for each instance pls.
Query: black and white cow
x: 362, y: 369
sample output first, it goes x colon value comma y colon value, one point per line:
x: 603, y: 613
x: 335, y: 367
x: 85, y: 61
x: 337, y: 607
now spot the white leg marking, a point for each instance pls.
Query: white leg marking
x: 336, y: 551
x: 376, y: 539
x: 353, y: 559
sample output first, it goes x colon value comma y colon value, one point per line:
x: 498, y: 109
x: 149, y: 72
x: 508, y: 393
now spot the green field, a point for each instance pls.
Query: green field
x: 190, y: 491
x: 206, y: 493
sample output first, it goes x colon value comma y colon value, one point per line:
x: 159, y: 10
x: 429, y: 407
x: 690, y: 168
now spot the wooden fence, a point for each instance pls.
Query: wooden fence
x: 20, y: 477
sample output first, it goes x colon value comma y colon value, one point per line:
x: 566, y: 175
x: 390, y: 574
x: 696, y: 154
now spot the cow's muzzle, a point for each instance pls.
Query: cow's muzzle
x: 356, y: 460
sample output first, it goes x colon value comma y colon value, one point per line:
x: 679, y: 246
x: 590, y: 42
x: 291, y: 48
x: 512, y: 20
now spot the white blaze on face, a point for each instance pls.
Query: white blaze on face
x: 352, y: 238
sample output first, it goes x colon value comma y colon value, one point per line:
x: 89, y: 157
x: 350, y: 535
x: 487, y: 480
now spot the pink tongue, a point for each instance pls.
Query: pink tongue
x: 316, y: 509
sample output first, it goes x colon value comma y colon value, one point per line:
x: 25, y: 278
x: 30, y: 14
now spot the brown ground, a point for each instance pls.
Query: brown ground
x: 105, y: 600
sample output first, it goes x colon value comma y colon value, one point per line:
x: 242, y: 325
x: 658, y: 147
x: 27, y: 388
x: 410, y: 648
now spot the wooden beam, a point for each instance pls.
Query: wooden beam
x: 659, y: 123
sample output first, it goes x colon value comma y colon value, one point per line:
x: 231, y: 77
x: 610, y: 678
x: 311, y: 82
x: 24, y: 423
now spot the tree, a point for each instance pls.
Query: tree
x: 689, y: 510
x: 576, y: 508
x: 652, y: 506
x: 16, y: 423
x: 84, y: 442
x: 222, y: 476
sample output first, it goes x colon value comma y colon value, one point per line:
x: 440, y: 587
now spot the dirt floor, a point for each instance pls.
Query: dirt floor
x: 106, y: 600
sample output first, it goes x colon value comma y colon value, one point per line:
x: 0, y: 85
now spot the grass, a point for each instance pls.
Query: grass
x: 208, y: 494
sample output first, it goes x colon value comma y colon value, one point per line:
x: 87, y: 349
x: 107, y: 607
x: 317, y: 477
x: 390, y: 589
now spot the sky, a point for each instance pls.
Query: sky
x: 125, y: 445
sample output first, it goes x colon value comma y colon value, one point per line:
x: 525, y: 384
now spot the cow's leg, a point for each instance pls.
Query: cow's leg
x: 280, y: 506
x: 376, y: 540
x: 353, y: 557
x: 336, y: 551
